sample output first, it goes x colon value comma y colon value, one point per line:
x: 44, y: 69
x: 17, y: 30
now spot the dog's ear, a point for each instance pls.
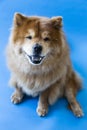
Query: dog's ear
x: 57, y: 21
x: 18, y: 19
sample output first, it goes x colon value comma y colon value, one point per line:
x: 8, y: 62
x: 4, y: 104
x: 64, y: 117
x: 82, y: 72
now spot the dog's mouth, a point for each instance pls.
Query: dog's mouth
x: 36, y: 59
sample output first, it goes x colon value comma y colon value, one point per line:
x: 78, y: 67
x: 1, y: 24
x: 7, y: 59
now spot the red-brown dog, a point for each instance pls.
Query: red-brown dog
x: 38, y: 57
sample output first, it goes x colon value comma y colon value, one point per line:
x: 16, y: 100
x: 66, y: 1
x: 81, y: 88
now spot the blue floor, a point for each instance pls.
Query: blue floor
x: 23, y: 116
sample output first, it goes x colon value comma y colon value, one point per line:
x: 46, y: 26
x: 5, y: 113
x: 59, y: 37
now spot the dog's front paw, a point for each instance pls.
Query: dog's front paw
x: 16, y: 98
x: 78, y: 112
x: 42, y: 111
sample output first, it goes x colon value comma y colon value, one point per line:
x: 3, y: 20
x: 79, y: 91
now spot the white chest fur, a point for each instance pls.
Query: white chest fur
x: 33, y: 85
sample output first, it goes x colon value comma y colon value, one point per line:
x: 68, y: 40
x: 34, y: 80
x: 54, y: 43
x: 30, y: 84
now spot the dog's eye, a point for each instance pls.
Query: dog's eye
x: 46, y: 39
x: 29, y: 37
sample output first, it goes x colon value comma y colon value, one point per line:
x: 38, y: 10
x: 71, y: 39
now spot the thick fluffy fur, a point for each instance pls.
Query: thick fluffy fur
x: 51, y: 79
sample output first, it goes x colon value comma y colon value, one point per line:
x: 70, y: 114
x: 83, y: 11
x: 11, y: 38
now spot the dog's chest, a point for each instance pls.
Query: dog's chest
x: 33, y: 85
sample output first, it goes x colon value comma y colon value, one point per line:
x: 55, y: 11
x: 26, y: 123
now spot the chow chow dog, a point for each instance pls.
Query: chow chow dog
x: 39, y: 60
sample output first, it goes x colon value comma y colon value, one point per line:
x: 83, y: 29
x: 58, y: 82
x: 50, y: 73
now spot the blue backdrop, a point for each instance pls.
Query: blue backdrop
x: 24, y: 116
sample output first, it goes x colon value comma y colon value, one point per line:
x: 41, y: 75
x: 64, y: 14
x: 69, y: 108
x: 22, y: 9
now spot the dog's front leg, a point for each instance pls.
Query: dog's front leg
x: 42, y: 108
x: 18, y: 94
x: 49, y: 97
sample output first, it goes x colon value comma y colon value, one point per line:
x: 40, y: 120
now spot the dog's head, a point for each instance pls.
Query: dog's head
x: 38, y: 38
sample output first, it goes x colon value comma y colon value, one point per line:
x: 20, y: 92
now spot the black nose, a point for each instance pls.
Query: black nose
x: 37, y: 49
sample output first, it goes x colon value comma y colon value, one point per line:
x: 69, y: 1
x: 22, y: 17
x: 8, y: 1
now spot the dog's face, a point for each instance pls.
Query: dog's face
x: 38, y: 38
